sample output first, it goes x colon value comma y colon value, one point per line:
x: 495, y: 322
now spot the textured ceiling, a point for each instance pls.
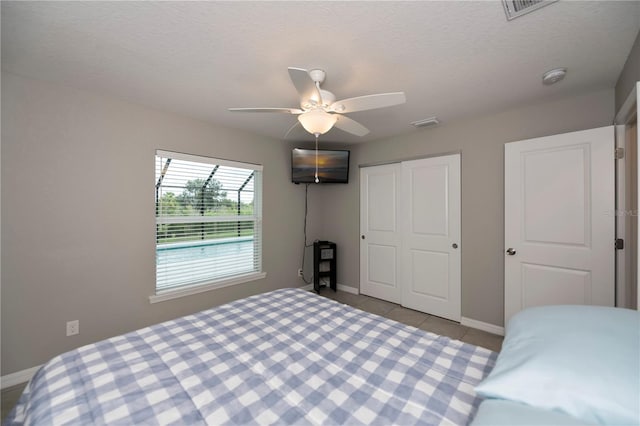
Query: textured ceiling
x: 452, y: 59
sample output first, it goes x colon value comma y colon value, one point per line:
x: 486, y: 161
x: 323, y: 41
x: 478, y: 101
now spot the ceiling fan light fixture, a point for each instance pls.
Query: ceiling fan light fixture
x: 317, y: 121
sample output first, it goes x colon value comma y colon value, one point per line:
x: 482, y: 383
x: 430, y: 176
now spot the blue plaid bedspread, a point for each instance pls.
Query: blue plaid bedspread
x: 284, y: 357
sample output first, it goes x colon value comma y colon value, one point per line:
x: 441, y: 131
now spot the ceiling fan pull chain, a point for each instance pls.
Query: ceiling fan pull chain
x: 316, y: 176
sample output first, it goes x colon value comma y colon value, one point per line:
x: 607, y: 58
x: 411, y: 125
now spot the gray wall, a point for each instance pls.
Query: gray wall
x: 630, y: 74
x: 481, y: 141
x: 78, y: 216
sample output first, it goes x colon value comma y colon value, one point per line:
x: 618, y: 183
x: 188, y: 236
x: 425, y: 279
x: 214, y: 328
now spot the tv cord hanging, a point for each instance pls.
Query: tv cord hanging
x: 304, y: 250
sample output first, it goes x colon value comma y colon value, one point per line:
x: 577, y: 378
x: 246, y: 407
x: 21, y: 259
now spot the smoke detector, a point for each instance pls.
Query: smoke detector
x: 553, y: 76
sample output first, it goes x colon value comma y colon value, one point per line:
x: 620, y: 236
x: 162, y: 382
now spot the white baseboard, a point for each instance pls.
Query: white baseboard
x: 341, y: 287
x: 18, y: 377
x: 348, y: 289
x: 484, y: 326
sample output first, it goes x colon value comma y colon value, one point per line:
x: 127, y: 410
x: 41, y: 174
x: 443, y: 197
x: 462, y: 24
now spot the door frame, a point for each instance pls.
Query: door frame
x: 417, y: 157
x: 624, y: 258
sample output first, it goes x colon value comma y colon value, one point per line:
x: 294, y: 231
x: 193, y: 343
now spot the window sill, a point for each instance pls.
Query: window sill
x: 201, y: 288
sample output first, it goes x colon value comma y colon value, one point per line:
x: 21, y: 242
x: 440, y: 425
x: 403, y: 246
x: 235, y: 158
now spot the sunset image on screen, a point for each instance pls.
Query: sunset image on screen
x: 333, y: 166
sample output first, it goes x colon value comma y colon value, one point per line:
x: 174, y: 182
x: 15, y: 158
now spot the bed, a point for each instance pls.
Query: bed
x: 283, y: 357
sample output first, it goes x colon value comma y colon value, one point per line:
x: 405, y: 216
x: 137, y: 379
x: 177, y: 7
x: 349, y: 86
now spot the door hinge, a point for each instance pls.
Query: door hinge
x: 619, y: 244
x: 619, y: 153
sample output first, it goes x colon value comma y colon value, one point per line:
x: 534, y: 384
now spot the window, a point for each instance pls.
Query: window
x: 208, y: 224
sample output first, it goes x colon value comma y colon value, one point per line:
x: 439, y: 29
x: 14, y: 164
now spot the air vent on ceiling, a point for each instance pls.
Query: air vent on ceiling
x: 431, y: 121
x: 515, y: 8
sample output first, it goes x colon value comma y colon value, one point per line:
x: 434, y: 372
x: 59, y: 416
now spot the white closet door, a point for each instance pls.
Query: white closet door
x: 559, y: 220
x: 379, y: 233
x: 431, y: 236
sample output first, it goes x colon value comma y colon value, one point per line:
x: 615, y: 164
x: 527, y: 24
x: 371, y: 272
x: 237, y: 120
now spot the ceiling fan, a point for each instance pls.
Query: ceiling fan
x: 319, y: 111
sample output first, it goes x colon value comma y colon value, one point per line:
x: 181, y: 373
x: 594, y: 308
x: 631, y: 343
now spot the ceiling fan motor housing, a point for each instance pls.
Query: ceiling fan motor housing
x: 328, y: 98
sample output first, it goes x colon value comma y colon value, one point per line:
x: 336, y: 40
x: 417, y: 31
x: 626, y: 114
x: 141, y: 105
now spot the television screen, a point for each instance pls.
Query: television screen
x: 333, y: 166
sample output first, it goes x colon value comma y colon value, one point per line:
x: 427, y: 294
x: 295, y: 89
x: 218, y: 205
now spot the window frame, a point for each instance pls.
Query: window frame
x: 212, y: 283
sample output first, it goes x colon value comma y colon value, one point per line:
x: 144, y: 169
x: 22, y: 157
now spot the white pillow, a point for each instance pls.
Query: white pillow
x: 582, y: 360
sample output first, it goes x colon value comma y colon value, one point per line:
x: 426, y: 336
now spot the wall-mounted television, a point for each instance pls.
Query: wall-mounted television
x: 333, y: 166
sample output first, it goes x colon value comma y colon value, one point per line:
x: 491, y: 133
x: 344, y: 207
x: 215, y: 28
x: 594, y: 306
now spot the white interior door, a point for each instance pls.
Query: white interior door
x: 379, y: 233
x: 431, y: 235
x: 559, y: 220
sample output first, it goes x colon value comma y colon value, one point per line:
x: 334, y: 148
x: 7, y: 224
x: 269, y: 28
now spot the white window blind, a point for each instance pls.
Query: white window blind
x: 208, y: 221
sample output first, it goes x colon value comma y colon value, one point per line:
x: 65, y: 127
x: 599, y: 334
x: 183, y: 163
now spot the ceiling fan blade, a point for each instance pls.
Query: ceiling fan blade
x: 291, y: 129
x: 350, y: 126
x: 305, y: 86
x: 281, y: 110
x: 363, y: 103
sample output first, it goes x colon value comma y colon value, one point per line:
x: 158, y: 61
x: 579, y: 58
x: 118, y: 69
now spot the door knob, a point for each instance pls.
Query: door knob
x: 454, y: 245
x: 511, y: 251
x: 362, y: 237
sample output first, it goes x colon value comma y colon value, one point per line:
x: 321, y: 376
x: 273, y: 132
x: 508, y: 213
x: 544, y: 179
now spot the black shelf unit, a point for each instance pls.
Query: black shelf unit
x: 324, y: 265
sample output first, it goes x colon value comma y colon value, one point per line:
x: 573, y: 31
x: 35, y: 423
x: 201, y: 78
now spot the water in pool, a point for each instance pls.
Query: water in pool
x: 203, y: 261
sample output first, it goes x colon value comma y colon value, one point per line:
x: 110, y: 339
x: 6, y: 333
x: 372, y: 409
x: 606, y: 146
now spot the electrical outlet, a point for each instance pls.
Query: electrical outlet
x: 299, y: 272
x: 73, y: 327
